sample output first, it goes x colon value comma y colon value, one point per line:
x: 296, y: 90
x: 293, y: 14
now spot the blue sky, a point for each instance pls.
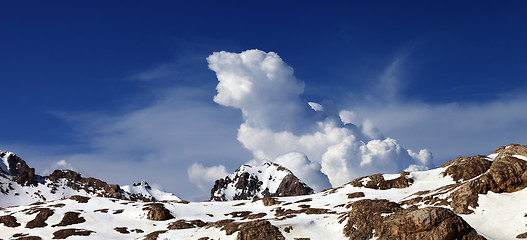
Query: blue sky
x: 107, y: 85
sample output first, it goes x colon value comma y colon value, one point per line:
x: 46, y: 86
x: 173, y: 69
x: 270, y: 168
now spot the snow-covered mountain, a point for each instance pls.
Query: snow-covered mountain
x: 478, y: 197
x: 19, y: 185
x: 266, y: 180
x: 144, y: 192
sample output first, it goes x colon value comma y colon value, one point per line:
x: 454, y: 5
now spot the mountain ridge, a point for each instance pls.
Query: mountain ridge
x: 469, y: 198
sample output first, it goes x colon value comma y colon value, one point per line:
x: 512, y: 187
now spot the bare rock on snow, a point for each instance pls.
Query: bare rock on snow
x: 158, y: 212
x: 387, y: 220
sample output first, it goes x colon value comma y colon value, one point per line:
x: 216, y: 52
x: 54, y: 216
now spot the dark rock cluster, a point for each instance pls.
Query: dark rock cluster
x: 20, y: 171
x: 387, y: 220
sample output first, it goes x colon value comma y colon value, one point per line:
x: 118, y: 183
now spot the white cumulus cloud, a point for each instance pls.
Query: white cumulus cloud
x: 204, y: 177
x: 313, y: 140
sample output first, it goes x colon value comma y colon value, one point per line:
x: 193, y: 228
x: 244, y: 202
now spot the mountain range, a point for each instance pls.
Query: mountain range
x: 476, y: 197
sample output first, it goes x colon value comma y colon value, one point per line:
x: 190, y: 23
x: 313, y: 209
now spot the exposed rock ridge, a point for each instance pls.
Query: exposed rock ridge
x: 505, y: 170
x: 267, y: 180
x: 15, y: 171
x: 18, y: 169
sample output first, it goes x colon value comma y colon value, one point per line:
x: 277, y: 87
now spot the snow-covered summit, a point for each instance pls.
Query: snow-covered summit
x: 268, y: 179
x: 144, y: 192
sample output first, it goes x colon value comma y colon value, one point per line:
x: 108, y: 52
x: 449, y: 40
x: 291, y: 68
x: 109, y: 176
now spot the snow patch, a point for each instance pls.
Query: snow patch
x: 6, y: 156
x: 520, y: 157
x: 492, y: 156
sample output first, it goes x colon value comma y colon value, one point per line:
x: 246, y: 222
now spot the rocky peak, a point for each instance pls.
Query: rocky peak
x: 17, y: 168
x: 91, y: 185
x: 511, y: 150
x: 266, y: 180
x: 64, y: 183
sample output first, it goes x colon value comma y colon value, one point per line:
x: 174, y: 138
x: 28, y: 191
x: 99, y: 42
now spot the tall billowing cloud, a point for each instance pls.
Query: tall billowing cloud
x: 314, y: 140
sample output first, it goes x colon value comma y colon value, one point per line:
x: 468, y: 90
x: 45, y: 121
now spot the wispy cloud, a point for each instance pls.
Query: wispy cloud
x: 159, y: 141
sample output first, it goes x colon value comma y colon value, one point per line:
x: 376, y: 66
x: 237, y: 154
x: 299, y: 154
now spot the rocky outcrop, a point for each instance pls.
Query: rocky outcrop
x: 292, y: 186
x: 505, y: 170
x: 383, y: 219
x: 377, y: 181
x: 70, y: 218
x: 259, y: 229
x: 465, y: 168
x: 40, y: 219
x: 247, y: 187
x: 184, y: 224
x: 65, y: 233
x: 249, y: 182
x: 19, y: 170
x: 9, y: 221
x: 95, y: 186
x: 63, y: 183
x: 158, y: 212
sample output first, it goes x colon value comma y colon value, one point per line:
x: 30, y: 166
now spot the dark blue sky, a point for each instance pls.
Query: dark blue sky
x: 67, y: 58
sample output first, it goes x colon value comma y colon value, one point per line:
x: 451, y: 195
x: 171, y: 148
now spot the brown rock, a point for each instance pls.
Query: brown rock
x: 118, y: 211
x: 154, y: 235
x: 227, y: 225
x: 269, y: 201
x: 239, y: 214
x: 9, y: 221
x: 377, y: 181
x: 387, y: 220
x: 506, y: 174
x: 426, y: 223
x: 259, y: 229
x: 184, y: 224
x: 465, y: 168
x: 70, y: 218
x: 22, y: 236
x: 40, y: 219
x: 64, y: 233
x: 80, y: 199
x: 123, y: 230
x: 255, y: 216
x: 158, y: 212
x: 95, y: 186
x: 511, y: 149
x: 522, y: 235
x: 292, y: 186
x: 355, y: 195
x: 20, y: 171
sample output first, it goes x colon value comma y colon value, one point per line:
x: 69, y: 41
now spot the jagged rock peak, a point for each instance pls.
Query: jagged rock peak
x: 14, y: 166
x: 511, y: 150
x: 266, y: 180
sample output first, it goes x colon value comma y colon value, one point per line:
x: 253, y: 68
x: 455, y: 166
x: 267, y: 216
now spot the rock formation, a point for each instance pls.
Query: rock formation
x: 267, y: 180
